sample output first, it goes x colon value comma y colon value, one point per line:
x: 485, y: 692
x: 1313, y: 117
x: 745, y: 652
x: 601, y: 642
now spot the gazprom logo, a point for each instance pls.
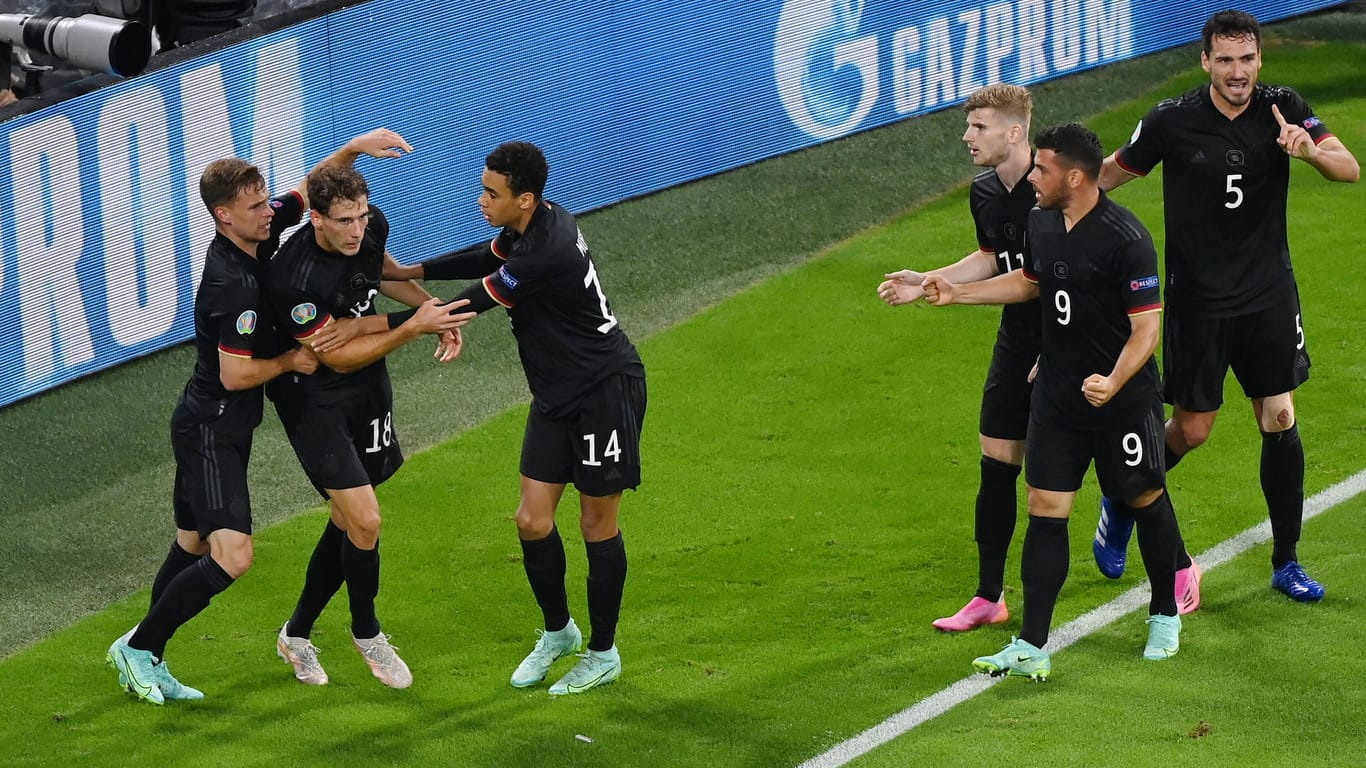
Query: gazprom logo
x: 826, y: 73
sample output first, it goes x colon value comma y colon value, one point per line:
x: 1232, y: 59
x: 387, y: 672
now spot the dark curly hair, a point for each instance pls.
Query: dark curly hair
x: 523, y: 163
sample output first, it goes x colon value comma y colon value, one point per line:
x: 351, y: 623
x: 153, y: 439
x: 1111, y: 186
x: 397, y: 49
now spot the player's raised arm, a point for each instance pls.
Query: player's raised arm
x: 381, y: 142
x: 1330, y: 157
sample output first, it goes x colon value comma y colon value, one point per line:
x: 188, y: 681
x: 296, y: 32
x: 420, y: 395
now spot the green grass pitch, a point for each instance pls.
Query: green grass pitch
x: 811, y: 459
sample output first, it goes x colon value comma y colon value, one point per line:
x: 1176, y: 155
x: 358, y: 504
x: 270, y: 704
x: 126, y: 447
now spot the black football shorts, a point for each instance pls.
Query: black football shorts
x: 346, y: 445
x: 1129, y: 460
x: 210, y: 491
x: 1265, y: 349
x: 1006, y: 393
x: 596, y: 445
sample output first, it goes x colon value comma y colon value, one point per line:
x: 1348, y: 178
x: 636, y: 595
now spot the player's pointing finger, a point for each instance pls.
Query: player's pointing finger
x: 1280, y: 120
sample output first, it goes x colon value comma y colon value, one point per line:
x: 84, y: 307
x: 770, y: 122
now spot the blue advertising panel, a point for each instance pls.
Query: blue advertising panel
x: 102, y: 234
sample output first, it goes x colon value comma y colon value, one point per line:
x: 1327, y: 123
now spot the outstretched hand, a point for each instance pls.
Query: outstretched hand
x: 1294, y: 139
x: 901, y: 287
x: 381, y: 142
x: 435, y: 317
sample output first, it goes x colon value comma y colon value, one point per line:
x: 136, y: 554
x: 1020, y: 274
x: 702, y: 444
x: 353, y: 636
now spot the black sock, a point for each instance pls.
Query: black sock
x: 606, y: 582
x: 543, y: 561
x: 362, y: 585
x: 1043, y: 569
x: 321, y: 581
x: 187, y: 594
x: 995, y: 525
x: 177, y: 560
x: 1183, y: 558
x: 1283, y: 487
x: 1157, y: 541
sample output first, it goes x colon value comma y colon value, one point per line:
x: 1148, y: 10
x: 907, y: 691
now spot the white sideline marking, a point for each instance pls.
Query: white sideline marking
x: 1137, y: 597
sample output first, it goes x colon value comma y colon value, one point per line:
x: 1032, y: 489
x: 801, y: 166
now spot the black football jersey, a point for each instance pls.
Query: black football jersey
x: 567, y: 336
x: 231, y: 317
x: 309, y: 286
x: 1090, y: 281
x: 1002, y: 218
x: 1225, y: 185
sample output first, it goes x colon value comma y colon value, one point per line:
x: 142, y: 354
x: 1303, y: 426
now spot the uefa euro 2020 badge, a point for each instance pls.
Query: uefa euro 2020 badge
x: 303, y: 313
x: 246, y: 322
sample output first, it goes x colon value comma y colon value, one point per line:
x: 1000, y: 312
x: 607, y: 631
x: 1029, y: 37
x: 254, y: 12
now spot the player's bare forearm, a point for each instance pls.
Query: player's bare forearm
x: 392, y: 270
x: 381, y: 142
x: 238, y: 373
x: 1335, y: 162
x: 978, y: 265
x: 405, y: 291
x: 1010, y: 288
x: 1113, y: 175
x: 364, y: 350
x: 1145, y: 330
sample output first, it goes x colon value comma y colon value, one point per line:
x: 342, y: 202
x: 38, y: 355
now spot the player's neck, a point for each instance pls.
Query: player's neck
x: 1013, y: 170
x: 1082, y: 202
x: 524, y: 220
x: 1227, y: 109
x: 245, y: 246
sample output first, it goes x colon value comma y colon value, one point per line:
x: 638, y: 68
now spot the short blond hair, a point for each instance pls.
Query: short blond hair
x: 1008, y: 100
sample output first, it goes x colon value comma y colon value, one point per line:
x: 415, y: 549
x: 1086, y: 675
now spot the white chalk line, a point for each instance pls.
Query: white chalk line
x: 937, y: 704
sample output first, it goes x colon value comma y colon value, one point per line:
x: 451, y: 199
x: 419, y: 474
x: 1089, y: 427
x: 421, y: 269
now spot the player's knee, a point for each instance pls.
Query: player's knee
x: 1193, y: 434
x: 598, y: 527
x: 363, y: 529
x: 1278, y: 419
x: 236, y: 559
x: 531, y: 526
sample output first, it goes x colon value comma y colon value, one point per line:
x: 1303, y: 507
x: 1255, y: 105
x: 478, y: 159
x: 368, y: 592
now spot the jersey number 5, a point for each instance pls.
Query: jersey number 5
x: 1231, y: 187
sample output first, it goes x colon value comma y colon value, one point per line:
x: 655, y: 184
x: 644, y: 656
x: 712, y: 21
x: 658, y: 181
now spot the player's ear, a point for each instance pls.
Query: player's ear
x: 221, y: 215
x: 526, y: 201
x: 315, y: 218
x: 1204, y: 61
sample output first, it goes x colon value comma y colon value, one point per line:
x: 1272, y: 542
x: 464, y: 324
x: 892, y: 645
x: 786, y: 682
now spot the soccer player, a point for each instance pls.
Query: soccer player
x: 340, y: 420
x: 213, y: 422
x: 1096, y: 394
x: 997, y: 136
x: 588, y: 403
x: 1231, y: 295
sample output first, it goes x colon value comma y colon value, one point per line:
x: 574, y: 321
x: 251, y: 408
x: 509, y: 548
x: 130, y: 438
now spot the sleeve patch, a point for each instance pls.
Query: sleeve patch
x: 304, y: 313
x: 1311, y: 122
x: 1144, y: 283
x: 246, y: 322
x: 507, y: 278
